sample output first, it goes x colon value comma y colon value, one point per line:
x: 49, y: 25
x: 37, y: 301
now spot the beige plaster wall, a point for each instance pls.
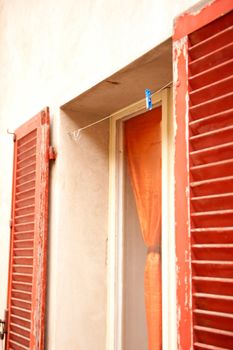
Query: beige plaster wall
x: 51, y: 51
x: 77, y: 273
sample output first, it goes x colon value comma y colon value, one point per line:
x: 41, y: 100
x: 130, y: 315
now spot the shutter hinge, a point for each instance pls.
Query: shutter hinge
x: 52, y: 153
x: 11, y: 223
x: 3, y: 325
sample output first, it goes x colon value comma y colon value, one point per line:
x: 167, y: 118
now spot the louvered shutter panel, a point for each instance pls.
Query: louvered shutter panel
x: 204, y: 100
x: 27, y: 269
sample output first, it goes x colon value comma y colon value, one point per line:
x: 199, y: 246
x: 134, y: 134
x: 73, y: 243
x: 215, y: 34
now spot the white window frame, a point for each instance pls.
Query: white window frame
x: 115, y: 234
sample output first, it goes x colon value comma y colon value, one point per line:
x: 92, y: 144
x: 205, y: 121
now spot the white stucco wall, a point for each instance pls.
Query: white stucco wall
x: 50, y: 52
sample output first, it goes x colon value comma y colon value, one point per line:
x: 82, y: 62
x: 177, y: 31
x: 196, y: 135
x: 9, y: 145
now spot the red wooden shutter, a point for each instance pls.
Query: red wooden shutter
x: 204, y: 178
x: 27, y: 269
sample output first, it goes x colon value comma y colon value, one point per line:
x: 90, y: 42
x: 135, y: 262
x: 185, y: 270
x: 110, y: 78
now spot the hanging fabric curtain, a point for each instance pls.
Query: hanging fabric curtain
x: 143, y: 149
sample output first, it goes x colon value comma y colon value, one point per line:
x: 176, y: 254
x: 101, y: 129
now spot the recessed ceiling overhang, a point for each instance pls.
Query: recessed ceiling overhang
x: 151, y: 71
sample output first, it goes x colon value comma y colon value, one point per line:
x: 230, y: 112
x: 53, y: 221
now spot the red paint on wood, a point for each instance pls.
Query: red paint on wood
x: 196, y: 18
x: 204, y: 106
x: 27, y: 268
x: 181, y: 198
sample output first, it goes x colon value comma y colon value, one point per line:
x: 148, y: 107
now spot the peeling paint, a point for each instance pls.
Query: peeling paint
x: 180, y: 57
x: 178, y: 47
x: 198, y: 16
x: 200, y: 6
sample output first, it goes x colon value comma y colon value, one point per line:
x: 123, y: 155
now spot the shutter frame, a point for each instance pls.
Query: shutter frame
x: 199, y: 15
x: 35, y: 150
x: 185, y: 25
x: 182, y: 220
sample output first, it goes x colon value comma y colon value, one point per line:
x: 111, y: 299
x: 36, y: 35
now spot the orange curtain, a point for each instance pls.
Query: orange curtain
x: 143, y: 149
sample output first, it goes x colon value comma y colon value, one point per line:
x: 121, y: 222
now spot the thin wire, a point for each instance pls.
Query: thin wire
x: 76, y: 133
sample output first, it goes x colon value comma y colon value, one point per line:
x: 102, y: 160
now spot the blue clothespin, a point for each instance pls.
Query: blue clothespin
x: 148, y: 99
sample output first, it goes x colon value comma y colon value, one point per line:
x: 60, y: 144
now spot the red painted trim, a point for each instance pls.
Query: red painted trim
x: 196, y: 18
x: 183, y: 268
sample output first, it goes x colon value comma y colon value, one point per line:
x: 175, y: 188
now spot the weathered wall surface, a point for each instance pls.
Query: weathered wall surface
x: 77, y: 254
x: 50, y: 52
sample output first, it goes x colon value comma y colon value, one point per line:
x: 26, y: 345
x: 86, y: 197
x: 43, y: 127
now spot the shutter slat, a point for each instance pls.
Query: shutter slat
x: 211, y: 75
x: 26, y: 186
x: 21, y: 295
x: 207, y: 252
x: 22, y: 277
x: 218, y: 148
x: 22, y: 152
x: 23, y: 252
x: 24, y: 202
x: 212, y: 106
x: 23, y: 235
x: 20, y: 322
x: 26, y: 162
x: 25, y: 139
x: 205, y: 124
x: 22, y: 269
x: 214, y: 336
x: 212, y: 59
x: 212, y: 186
x: 201, y: 346
x: 20, y: 330
x: 25, y: 170
x: 29, y: 209
x: 213, y: 235
x: 214, y: 330
x: 24, y: 244
x: 212, y: 319
x: 211, y: 43
x: 27, y: 145
x: 212, y: 138
x: 26, y: 177
x: 210, y: 30
x: 212, y: 268
x: 15, y: 346
x: 200, y: 136
x: 22, y: 261
x: 28, y: 153
x: 207, y: 301
x: 19, y: 227
x: 20, y: 312
x: 19, y: 339
x: 26, y: 305
x: 24, y: 287
x: 212, y: 202
x: 27, y: 271
x: 212, y: 90
x: 213, y: 170
x: 25, y: 195
x: 209, y: 229
x: 212, y: 285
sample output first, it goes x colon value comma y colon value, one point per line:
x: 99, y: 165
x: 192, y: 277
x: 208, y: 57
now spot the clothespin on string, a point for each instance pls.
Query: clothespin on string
x: 148, y: 99
x: 75, y: 134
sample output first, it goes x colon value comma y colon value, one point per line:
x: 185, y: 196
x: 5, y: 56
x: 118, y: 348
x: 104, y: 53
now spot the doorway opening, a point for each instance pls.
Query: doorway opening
x: 127, y: 319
